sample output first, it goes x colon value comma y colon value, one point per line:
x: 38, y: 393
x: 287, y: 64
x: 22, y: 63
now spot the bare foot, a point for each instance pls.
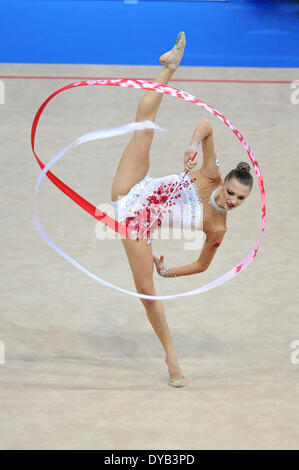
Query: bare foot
x: 173, y: 58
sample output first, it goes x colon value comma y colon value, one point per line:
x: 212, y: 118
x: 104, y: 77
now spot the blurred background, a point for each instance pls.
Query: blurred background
x: 238, y: 33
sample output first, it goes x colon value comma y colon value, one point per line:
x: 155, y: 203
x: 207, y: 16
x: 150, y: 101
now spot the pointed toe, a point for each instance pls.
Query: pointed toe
x: 177, y: 383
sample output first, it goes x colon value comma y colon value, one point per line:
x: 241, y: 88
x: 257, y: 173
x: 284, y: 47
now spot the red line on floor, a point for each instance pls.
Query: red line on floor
x: 192, y: 80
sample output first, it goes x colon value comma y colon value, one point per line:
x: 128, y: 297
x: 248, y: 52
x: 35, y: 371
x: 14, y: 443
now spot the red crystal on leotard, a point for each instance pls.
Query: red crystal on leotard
x: 156, y: 204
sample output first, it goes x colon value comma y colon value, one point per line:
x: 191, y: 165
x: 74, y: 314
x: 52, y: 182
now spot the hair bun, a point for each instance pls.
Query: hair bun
x: 243, y: 166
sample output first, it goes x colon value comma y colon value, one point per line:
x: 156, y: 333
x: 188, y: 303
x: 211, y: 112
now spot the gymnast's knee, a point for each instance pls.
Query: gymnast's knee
x: 147, y: 303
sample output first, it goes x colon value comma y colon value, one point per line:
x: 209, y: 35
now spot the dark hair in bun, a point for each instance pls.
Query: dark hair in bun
x: 243, y: 166
x: 242, y: 174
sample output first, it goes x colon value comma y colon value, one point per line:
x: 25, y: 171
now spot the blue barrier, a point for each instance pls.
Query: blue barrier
x: 231, y: 33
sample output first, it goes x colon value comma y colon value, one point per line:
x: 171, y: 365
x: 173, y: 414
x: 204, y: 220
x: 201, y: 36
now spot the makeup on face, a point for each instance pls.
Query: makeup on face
x: 233, y: 198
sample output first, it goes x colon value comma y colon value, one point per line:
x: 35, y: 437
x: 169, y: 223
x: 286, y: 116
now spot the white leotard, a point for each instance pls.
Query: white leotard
x: 160, y: 202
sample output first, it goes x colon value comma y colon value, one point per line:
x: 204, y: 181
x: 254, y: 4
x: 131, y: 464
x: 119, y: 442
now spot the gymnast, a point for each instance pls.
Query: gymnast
x: 139, y: 202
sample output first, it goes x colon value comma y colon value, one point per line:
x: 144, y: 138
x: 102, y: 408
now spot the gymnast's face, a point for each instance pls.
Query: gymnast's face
x: 234, y: 193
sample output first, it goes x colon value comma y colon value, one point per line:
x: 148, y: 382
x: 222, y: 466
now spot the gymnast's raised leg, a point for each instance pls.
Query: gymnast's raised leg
x: 135, y: 160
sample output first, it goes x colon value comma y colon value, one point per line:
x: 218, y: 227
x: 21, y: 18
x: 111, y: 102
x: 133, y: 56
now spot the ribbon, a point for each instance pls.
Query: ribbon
x: 99, y: 215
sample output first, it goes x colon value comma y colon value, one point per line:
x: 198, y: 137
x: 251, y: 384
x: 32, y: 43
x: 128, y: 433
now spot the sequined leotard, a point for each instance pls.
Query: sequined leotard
x: 171, y: 201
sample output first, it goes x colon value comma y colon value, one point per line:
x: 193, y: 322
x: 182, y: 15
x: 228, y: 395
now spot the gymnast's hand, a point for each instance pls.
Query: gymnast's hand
x: 188, y: 164
x: 159, y: 263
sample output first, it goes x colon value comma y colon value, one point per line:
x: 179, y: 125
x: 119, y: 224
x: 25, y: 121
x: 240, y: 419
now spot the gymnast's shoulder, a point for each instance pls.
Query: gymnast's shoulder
x: 210, y: 227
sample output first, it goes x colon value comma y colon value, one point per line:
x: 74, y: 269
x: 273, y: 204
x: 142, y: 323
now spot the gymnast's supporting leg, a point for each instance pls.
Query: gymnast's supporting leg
x: 157, y: 317
x: 140, y: 257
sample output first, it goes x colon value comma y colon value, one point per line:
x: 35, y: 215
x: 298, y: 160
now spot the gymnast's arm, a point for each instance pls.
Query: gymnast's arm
x: 203, y: 134
x: 212, y: 242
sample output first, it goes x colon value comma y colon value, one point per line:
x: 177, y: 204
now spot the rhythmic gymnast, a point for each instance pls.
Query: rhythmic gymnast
x: 137, y: 199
